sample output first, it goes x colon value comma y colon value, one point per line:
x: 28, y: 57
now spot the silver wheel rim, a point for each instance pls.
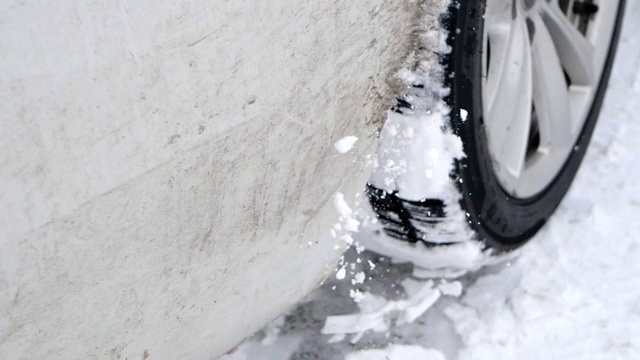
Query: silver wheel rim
x: 542, y: 63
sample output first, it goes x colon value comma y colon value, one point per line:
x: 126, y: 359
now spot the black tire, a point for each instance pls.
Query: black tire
x: 501, y: 221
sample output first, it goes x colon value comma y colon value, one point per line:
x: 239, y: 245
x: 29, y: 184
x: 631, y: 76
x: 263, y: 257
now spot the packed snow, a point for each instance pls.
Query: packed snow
x: 572, y: 293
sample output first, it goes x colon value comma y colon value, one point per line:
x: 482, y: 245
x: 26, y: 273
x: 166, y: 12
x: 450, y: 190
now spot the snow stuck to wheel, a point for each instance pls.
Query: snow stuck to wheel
x: 414, y: 162
x: 415, y: 159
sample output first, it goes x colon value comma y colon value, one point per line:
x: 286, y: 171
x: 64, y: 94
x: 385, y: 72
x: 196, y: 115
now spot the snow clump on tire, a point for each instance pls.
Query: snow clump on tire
x: 417, y: 215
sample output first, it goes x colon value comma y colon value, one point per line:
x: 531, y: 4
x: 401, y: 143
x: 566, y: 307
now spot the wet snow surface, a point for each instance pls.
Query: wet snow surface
x: 573, y: 293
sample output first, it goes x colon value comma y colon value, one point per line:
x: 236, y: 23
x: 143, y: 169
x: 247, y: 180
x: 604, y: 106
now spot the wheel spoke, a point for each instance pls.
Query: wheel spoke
x: 575, y: 51
x: 499, y: 22
x: 550, y: 91
x: 499, y: 41
x: 542, y: 63
x: 509, y: 114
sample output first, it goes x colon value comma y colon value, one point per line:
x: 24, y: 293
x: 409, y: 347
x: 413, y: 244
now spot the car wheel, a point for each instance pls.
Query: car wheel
x: 527, y: 79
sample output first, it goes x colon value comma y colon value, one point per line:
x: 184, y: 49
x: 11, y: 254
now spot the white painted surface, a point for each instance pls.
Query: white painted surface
x: 166, y: 168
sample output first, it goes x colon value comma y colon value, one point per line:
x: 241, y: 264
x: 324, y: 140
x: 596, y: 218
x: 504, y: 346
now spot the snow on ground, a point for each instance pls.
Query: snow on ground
x: 574, y: 292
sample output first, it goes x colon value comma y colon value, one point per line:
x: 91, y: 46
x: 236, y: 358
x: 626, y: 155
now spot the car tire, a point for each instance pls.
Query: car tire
x: 505, y: 211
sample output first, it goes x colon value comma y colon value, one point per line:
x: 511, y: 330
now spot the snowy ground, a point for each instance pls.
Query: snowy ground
x: 574, y: 292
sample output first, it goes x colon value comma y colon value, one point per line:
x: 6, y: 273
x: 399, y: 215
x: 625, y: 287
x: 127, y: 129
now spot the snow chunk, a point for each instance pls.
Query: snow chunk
x: 347, y: 221
x: 351, y: 224
x: 347, y: 239
x: 345, y: 144
x: 451, y: 289
x: 406, y: 160
x: 420, y: 303
x: 340, y: 274
x: 397, y: 352
x: 463, y: 115
x: 356, y: 295
x: 358, y: 278
x: 447, y: 261
x: 375, y: 314
x: 371, y: 265
x: 341, y: 205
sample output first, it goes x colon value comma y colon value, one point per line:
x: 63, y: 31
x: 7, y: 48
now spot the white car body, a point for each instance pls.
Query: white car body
x: 167, y: 168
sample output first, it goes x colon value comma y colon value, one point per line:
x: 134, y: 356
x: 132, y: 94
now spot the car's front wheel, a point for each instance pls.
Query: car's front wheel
x: 532, y: 84
x: 527, y: 79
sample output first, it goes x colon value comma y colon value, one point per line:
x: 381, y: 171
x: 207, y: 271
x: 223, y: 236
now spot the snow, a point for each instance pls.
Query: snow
x: 451, y: 289
x: 397, y: 352
x: 463, y: 115
x: 356, y: 295
x: 345, y: 144
x: 346, y: 221
x: 343, y: 209
x: 423, y: 157
x: 450, y: 261
x: 358, y: 278
x: 573, y: 292
x: 418, y: 149
x: 378, y: 317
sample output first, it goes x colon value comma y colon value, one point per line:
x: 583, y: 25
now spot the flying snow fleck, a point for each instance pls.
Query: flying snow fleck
x: 345, y: 144
x: 358, y: 278
x: 341, y: 205
x: 356, y: 295
x: 463, y: 115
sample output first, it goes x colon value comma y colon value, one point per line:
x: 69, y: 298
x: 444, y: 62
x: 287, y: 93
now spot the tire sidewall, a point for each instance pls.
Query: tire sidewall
x: 502, y: 221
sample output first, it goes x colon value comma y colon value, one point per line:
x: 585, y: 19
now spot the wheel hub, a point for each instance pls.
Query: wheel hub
x: 542, y: 64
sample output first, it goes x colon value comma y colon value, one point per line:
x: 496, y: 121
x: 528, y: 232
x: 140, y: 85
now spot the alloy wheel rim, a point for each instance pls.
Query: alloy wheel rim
x: 542, y: 63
